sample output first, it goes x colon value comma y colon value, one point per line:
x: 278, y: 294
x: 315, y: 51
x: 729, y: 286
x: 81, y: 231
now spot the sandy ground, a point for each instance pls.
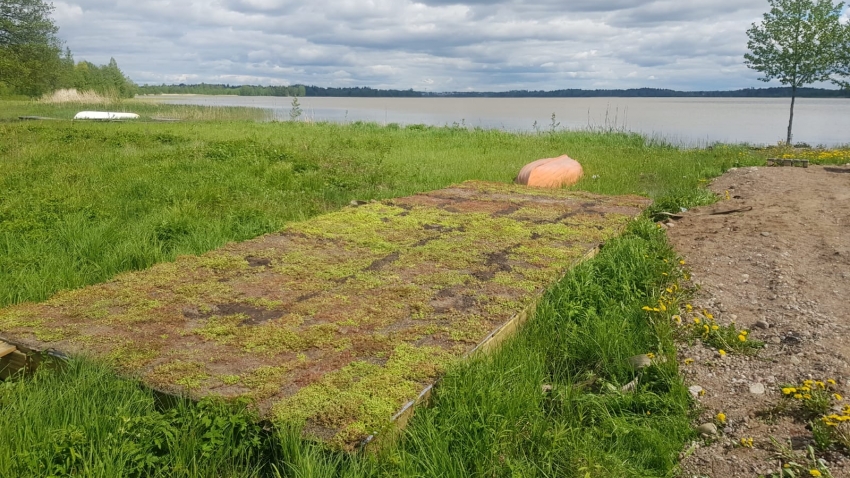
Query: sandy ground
x: 782, y: 271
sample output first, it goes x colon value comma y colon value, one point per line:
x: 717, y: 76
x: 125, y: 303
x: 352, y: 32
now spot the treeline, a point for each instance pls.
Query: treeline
x: 222, y: 89
x: 775, y: 92
x: 302, y: 90
x: 32, y: 61
x: 253, y: 90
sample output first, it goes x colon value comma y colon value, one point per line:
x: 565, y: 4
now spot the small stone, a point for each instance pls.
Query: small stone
x: 640, y: 361
x: 762, y: 324
x: 795, y: 360
x: 695, y: 390
x: 775, y: 340
x: 669, y: 224
x: 765, y: 233
x: 707, y: 429
x: 757, y: 389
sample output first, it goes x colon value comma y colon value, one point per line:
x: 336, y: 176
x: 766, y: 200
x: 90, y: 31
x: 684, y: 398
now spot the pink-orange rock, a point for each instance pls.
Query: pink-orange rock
x: 550, y: 172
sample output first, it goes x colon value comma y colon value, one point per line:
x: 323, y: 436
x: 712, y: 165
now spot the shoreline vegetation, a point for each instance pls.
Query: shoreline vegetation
x: 83, y: 201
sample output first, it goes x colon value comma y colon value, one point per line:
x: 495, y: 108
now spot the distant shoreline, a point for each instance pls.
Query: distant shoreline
x: 367, y: 92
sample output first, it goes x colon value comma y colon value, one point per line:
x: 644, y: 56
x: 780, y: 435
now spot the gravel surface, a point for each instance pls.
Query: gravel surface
x: 782, y: 271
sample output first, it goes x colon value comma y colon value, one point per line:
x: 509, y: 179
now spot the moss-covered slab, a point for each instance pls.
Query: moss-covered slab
x: 340, y: 320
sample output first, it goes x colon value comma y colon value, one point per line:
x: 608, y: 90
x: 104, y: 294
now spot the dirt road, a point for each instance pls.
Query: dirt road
x: 782, y: 271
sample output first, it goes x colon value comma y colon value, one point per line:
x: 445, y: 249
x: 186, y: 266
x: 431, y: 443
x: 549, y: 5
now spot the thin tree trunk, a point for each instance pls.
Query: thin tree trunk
x: 791, y: 118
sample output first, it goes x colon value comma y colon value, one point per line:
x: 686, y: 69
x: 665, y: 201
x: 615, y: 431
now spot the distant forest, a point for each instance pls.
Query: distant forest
x: 302, y: 90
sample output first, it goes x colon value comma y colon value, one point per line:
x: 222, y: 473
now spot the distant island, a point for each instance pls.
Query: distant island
x: 367, y: 92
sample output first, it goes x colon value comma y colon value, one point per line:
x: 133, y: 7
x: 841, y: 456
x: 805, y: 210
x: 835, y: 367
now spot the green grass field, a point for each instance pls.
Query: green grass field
x: 81, y: 202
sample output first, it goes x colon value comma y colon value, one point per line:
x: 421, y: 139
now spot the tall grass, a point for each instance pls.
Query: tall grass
x: 489, y: 417
x: 74, y: 96
x: 80, y: 202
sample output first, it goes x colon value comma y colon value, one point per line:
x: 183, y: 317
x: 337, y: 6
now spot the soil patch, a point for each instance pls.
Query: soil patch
x: 782, y: 271
x: 340, y: 320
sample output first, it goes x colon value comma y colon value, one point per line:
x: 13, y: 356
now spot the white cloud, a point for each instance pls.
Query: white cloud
x: 453, y: 44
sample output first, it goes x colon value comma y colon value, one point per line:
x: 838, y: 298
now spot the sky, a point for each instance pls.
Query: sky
x: 426, y: 45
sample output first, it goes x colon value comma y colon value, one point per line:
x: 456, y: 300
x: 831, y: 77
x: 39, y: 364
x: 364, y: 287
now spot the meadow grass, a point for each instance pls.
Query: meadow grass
x: 80, y: 202
x: 490, y: 416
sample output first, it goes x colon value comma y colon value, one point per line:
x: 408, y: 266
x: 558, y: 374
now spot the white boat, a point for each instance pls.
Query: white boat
x: 104, y: 115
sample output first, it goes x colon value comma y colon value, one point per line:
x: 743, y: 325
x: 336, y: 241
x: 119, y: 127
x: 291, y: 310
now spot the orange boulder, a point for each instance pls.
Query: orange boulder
x: 550, y: 172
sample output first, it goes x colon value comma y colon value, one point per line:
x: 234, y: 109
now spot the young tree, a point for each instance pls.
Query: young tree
x: 29, y: 49
x: 798, y: 43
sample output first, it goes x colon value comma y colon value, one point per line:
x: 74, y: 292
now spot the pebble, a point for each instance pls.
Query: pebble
x: 795, y: 360
x: 757, y: 389
x: 762, y: 324
x: 695, y: 390
x: 775, y: 340
x: 765, y: 234
x: 707, y: 429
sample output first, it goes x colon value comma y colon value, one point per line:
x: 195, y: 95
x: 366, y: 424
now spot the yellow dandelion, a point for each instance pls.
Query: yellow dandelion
x: 650, y: 355
x: 715, y: 327
x: 669, y: 290
x: 837, y: 397
x: 814, y: 472
x: 696, y: 320
x: 646, y: 308
x: 722, y: 352
x: 744, y: 332
x: 677, y: 319
x: 689, y: 361
x: 742, y: 338
x: 789, y: 390
x: 662, y: 306
x: 820, y: 384
x: 807, y: 396
x: 830, y: 381
x: 798, y: 396
x: 682, y: 262
x: 689, y: 307
x: 721, y: 417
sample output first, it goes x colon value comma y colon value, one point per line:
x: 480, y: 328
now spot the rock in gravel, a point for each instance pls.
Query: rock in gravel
x: 757, y: 389
x: 794, y: 360
x: 765, y: 233
x: 762, y: 324
x: 695, y: 390
x: 640, y: 361
x: 775, y: 340
x: 707, y: 429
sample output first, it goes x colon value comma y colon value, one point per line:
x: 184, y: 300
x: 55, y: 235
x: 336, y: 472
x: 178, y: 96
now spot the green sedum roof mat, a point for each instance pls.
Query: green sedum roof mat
x: 339, y: 321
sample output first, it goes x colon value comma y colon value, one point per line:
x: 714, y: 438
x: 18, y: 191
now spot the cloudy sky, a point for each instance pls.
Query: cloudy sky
x: 429, y: 45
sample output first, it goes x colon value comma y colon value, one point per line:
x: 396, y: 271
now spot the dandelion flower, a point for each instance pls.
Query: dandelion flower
x: 742, y: 338
x: 798, y: 396
x: 815, y: 473
x: 689, y: 361
x: 689, y: 307
x: 677, y: 319
x: 830, y: 381
x: 837, y: 397
x: 721, y: 417
x: 789, y: 390
x: 646, y: 308
x: 696, y: 320
x: 722, y: 352
x: 682, y: 262
x: 715, y: 327
x: 650, y: 355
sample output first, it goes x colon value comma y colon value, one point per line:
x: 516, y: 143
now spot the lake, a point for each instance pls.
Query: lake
x: 687, y: 121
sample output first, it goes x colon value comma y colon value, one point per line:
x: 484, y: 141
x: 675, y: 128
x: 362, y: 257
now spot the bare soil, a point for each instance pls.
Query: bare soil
x: 782, y: 271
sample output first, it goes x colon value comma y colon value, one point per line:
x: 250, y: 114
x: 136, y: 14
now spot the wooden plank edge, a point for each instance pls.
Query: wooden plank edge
x: 25, y: 359
x: 399, y: 421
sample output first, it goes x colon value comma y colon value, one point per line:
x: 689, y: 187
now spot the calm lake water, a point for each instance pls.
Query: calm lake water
x: 689, y: 121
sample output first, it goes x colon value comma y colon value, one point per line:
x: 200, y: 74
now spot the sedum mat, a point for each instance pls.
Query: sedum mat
x: 338, y: 321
